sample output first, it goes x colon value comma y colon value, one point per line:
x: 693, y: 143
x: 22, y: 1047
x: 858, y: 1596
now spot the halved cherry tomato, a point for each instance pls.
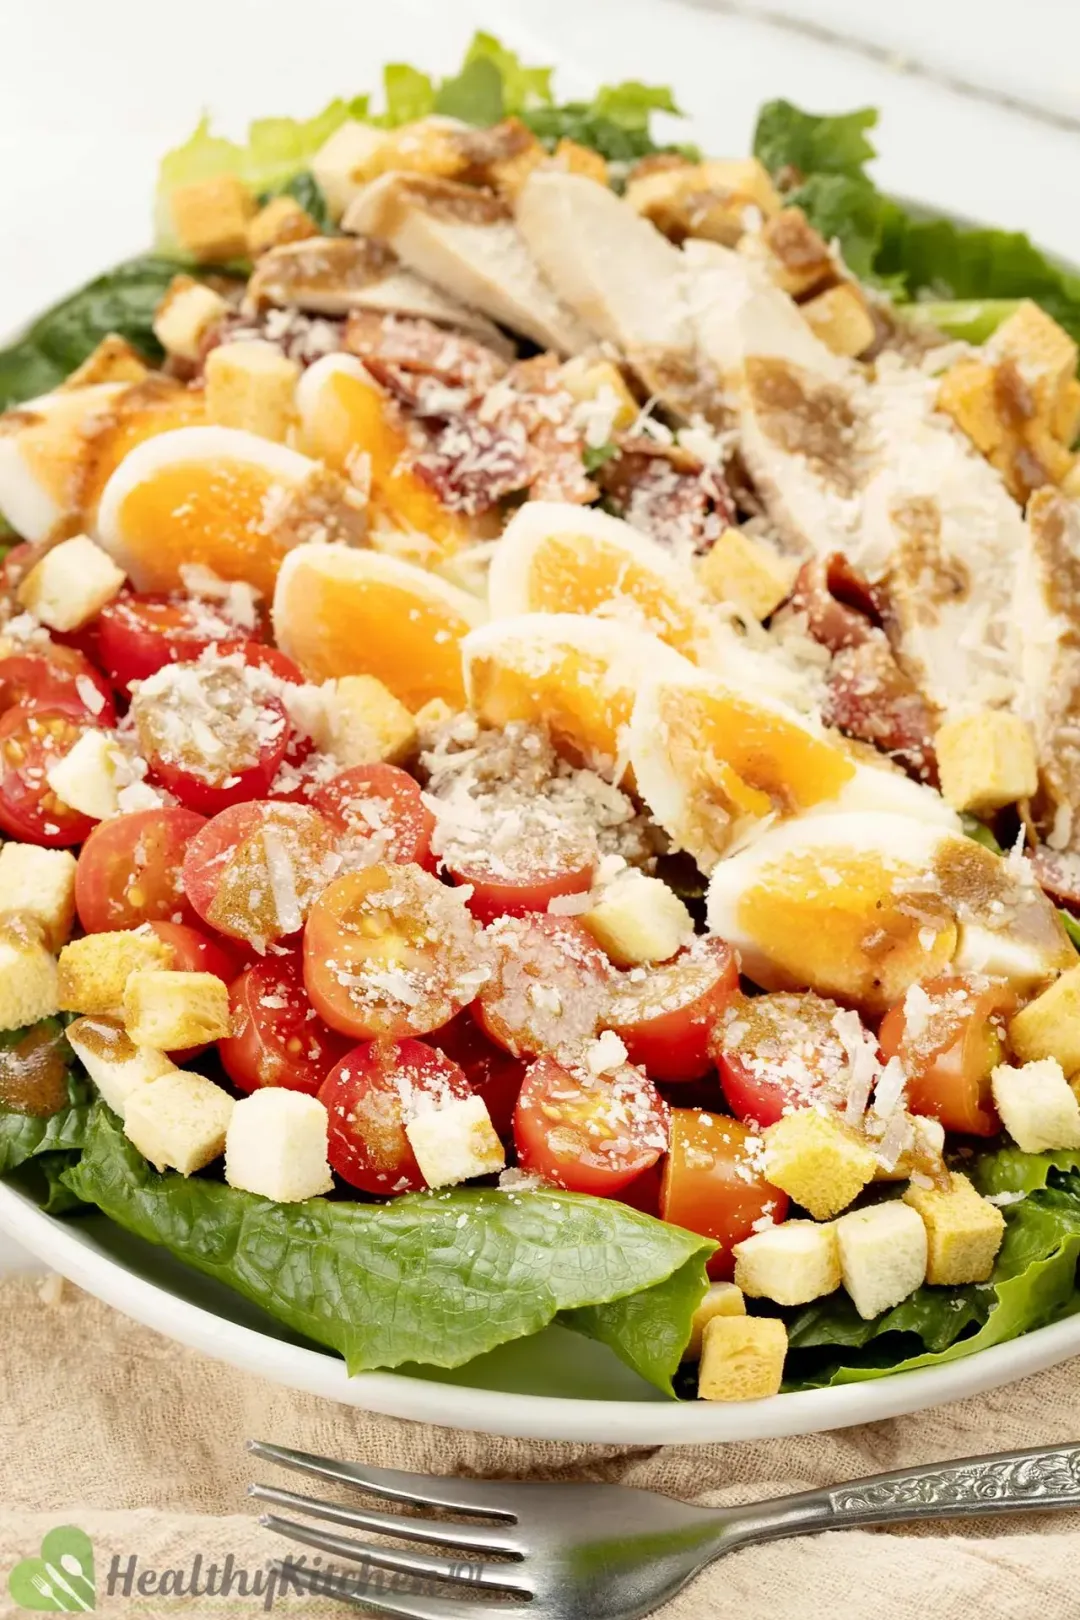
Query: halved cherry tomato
x: 492, y: 1072
x: 712, y: 1183
x: 947, y: 1034
x: 494, y: 896
x: 549, y: 987
x: 643, y: 1193
x: 43, y: 676
x: 780, y: 1052
x: 195, y: 952
x: 257, y: 655
x: 278, y: 1038
x: 390, y: 951
x: 383, y: 810
x: 138, y: 635
x: 589, y: 1133
x: 372, y: 1094
x: 209, y: 736
x: 254, y: 871
x: 665, y: 1015
x: 129, y: 869
x: 32, y: 741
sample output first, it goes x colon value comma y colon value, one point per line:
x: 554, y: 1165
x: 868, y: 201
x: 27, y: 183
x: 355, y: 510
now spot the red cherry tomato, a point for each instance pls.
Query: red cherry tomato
x: 138, y: 635
x: 253, y: 872
x: 947, y: 1034
x: 780, y: 1052
x: 51, y: 674
x: 382, y: 810
x: 517, y: 896
x: 492, y: 1072
x: 712, y: 1183
x: 195, y: 952
x: 665, y: 1015
x: 371, y: 1095
x: 209, y: 735
x: 589, y: 1133
x: 278, y: 1038
x: 32, y: 740
x: 549, y: 987
x: 257, y: 655
x: 390, y: 951
x: 129, y: 869
x: 643, y: 1193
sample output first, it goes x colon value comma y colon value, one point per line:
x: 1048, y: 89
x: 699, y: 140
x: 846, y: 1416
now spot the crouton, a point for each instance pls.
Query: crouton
x: 926, y: 1149
x: 39, y: 883
x: 343, y: 165
x: 638, y: 919
x: 818, y: 1161
x: 113, y: 361
x: 252, y: 385
x: 600, y: 382
x: 361, y: 722
x: 840, y: 318
x: 796, y: 257
x: 94, y: 971
x: 85, y: 778
x: 791, y: 1264
x: 455, y: 1143
x: 1049, y: 1026
x: 281, y: 220
x: 743, y: 569
x: 1065, y: 416
x: 210, y: 218
x: 578, y: 159
x: 1037, y: 1106
x: 883, y: 1255
x: 276, y: 1146
x: 721, y: 1299
x: 185, y: 316
x: 718, y: 200
x: 986, y: 760
x: 29, y: 990
x: 1043, y: 352
x: 179, y: 1122
x: 968, y: 393
x: 114, y: 1063
x: 963, y: 1231
x: 742, y: 1358
x: 172, y: 1009
x: 71, y: 584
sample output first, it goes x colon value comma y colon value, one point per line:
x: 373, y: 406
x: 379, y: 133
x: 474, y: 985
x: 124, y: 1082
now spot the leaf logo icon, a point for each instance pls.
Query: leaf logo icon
x: 61, y: 1579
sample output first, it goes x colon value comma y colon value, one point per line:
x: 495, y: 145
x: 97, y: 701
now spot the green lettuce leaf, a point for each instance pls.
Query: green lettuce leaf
x: 122, y: 300
x: 971, y: 320
x: 305, y: 189
x: 522, y: 86
x: 813, y: 143
x: 408, y: 94
x: 433, y: 1278
x: 475, y: 95
x: 25, y: 1136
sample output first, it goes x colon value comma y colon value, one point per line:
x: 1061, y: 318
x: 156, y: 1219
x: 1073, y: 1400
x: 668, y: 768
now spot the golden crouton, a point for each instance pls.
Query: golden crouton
x: 185, y: 316
x: 742, y: 1358
x: 638, y: 919
x: 721, y: 1299
x: 1049, y: 1026
x: 1038, y: 1107
x: 362, y: 723
x: 39, y: 883
x: 923, y: 1154
x: 986, y: 760
x: 281, y: 220
x: 71, y: 584
x: 114, y: 1063
x: 968, y: 393
x: 718, y: 200
x: 430, y: 146
x: 588, y: 380
x: 94, y: 971
x: 818, y: 1161
x: 179, y: 1122
x: 1042, y: 350
x: 791, y: 1264
x: 1065, y: 416
x: 211, y: 217
x: 963, y: 1231
x: 113, y: 361
x: 578, y: 159
x: 1032, y: 460
x: 796, y: 256
x: 28, y: 978
x: 172, y: 1010
x: 743, y: 569
x: 252, y: 385
x: 840, y: 318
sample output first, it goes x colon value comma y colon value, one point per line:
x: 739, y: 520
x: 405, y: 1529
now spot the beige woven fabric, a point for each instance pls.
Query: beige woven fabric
x: 108, y: 1426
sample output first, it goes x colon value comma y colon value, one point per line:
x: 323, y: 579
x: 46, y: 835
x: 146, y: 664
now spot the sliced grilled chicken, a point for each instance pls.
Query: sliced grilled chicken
x: 1046, y: 616
x: 333, y: 275
x: 464, y: 240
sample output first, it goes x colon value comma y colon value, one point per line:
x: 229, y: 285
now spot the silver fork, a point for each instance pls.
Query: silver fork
x: 600, y: 1552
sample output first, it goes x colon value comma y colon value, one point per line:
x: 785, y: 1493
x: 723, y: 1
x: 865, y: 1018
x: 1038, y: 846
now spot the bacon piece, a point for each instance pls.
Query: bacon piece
x: 869, y: 697
x: 472, y: 464
x: 409, y: 344
x: 840, y: 605
x: 668, y: 493
x: 1057, y: 872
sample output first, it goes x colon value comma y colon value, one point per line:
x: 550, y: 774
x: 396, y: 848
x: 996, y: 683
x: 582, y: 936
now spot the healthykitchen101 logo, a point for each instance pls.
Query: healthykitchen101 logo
x: 60, y: 1580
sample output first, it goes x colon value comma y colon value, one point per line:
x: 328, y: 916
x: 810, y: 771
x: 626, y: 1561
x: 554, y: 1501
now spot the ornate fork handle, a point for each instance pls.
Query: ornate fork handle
x: 1009, y: 1482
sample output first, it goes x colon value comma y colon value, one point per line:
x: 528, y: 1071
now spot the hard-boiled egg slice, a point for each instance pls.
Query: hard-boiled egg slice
x: 574, y: 675
x: 229, y: 500
x: 861, y: 906
x: 347, y: 421
x: 44, y: 450
x: 712, y: 760
x: 555, y: 557
x: 344, y: 612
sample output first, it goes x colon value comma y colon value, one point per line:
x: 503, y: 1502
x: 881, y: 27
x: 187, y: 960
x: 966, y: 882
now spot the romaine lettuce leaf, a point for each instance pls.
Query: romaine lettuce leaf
x: 433, y: 1278
x: 25, y: 1136
x: 813, y: 143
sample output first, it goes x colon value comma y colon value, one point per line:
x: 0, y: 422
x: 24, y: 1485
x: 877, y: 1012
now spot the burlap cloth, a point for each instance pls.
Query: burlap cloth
x: 108, y: 1426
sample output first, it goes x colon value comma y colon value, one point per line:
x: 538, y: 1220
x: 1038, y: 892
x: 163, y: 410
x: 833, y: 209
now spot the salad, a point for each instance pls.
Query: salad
x: 538, y: 760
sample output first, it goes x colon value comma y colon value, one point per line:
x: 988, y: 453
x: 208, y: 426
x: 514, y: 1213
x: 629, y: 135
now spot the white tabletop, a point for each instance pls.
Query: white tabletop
x: 90, y: 95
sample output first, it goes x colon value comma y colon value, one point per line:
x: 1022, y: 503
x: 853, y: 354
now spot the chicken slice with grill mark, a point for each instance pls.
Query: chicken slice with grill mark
x: 1047, y: 622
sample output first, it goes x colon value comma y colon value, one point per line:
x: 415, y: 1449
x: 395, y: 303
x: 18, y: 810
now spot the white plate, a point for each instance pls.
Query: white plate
x: 558, y: 1385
